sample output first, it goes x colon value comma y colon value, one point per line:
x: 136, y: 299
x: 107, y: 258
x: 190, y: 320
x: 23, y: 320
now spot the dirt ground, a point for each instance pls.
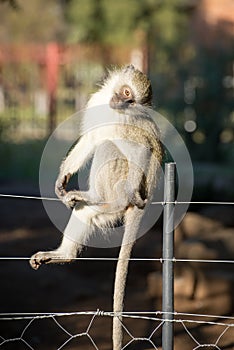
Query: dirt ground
x: 88, y: 285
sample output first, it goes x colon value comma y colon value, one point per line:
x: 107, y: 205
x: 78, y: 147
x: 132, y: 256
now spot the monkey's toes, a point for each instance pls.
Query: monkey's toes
x: 38, y: 259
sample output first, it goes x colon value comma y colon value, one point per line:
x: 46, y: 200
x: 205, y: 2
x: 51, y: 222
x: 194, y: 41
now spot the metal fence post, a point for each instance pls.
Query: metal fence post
x: 168, y: 254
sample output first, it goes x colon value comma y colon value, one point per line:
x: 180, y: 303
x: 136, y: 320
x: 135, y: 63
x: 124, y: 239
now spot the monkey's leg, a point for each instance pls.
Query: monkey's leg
x: 75, y: 237
x: 133, y: 186
x: 133, y: 218
x: 138, y: 165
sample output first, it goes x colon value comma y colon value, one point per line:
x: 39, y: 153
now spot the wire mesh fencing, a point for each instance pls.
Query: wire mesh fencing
x: 67, y: 338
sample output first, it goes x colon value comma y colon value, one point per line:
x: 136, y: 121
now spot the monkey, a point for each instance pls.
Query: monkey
x: 126, y: 154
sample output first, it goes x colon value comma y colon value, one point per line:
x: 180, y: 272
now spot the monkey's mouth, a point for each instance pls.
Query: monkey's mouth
x: 121, y: 104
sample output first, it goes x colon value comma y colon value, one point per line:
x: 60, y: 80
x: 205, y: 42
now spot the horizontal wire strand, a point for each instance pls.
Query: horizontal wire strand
x: 161, y: 260
x: 16, y: 196
x: 111, y: 313
x: 134, y: 315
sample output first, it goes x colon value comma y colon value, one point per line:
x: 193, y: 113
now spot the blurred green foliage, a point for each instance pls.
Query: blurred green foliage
x: 21, y: 161
x: 109, y: 22
x: 31, y: 21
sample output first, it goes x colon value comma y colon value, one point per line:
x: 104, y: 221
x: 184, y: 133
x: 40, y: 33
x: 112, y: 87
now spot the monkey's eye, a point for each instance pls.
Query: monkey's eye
x: 127, y: 92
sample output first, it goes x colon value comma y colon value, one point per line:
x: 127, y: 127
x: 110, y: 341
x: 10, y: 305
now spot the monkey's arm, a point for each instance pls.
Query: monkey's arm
x: 74, y: 161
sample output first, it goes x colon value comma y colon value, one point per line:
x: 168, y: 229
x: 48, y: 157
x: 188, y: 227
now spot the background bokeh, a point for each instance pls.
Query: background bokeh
x: 53, y: 55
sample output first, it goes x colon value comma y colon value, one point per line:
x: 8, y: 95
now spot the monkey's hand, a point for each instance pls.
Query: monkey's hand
x: 71, y: 198
x: 60, y: 186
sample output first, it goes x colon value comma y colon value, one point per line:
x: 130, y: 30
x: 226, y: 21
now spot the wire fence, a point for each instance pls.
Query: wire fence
x: 17, y: 196
x: 188, y: 322
x: 225, y: 325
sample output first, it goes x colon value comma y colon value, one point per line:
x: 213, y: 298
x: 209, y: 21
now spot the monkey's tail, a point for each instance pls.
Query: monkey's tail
x: 132, y: 222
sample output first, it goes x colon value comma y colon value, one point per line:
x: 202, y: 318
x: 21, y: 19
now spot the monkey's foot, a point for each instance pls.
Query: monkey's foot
x: 52, y: 257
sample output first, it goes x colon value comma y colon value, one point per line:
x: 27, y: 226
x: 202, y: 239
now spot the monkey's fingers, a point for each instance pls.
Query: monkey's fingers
x: 60, y: 186
x: 72, y: 198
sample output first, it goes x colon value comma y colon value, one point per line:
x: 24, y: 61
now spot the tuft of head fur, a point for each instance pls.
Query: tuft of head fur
x: 141, y: 85
x: 127, y: 75
x: 135, y: 79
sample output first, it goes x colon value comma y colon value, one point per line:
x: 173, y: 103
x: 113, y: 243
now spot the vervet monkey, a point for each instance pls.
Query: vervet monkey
x: 127, y: 155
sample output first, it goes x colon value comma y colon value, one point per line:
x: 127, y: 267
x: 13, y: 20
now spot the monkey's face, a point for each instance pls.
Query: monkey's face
x: 123, y: 99
x: 132, y: 89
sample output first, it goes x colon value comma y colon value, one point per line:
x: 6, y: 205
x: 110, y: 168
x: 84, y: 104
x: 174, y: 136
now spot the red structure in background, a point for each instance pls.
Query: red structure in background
x: 212, y: 22
x: 48, y: 57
